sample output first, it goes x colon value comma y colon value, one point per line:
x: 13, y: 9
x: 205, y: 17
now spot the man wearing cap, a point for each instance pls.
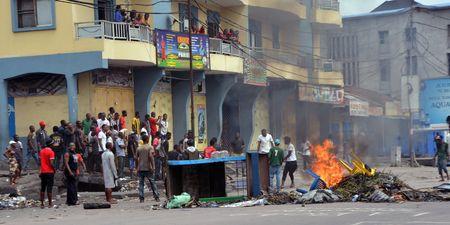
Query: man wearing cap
x: 41, y: 136
x: 276, y: 156
x: 47, y: 172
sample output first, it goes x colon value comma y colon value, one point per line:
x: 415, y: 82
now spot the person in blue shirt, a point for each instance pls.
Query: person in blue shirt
x: 118, y: 14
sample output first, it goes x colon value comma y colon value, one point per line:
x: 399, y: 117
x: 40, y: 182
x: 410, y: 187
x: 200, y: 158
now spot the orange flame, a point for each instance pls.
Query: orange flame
x: 326, y: 164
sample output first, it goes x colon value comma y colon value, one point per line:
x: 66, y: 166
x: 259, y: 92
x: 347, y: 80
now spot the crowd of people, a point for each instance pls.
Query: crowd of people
x: 133, y: 17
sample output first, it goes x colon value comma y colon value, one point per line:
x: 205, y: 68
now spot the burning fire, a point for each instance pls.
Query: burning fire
x: 326, y: 165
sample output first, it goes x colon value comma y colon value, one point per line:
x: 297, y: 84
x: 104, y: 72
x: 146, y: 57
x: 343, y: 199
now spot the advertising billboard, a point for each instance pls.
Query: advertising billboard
x: 172, y: 50
x: 435, y: 100
x: 359, y: 108
x: 321, y: 94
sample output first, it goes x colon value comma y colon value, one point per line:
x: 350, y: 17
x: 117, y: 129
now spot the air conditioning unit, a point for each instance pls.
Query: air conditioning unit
x: 327, y: 66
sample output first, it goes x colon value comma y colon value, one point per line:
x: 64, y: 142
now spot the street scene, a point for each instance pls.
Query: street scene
x: 225, y: 112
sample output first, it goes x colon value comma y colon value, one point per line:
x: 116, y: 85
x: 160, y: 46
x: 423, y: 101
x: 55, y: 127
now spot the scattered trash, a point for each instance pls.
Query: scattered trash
x: 319, y: 196
x: 249, y: 203
x: 355, y: 198
x: 178, y: 201
x: 379, y: 196
x: 16, y: 202
x: 443, y: 187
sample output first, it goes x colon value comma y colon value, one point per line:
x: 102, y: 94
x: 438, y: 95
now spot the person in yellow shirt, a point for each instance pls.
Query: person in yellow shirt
x: 136, y: 123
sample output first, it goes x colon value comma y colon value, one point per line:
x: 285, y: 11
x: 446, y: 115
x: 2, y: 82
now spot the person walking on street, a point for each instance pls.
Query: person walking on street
x: 109, y: 172
x: 441, y: 156
x: 47, y: 173
x: 291, y: 162
x: 120, y: 152
x: 131, y: 152
x: 276, y: 156
x: 17, y: 147
x: 153, y: 125
x: 32, y: 148
x: 163, y: 126
x: 41, y: 135
x: 70, y: 172
x: 306, y: 154
x: 94, y: 152
x: 146, y: 167
x: 14, y: 172
x: 123, y: 120
x: 136, y: 123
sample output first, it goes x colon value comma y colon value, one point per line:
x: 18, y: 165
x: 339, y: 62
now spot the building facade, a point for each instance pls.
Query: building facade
x: 62, y: 59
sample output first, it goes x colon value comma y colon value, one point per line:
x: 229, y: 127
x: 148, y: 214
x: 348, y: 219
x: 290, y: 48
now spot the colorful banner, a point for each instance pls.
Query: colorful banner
x: 172, y: 50
x: 321, y: 94
x: 201, y: 123
x: 358, y: 108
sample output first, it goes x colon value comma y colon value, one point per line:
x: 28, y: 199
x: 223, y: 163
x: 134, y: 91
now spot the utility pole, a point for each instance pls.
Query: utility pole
x: 191, y: 71
x: 411, y: 47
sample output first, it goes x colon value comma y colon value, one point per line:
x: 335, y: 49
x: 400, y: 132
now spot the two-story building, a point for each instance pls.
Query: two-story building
x: 62, y: 59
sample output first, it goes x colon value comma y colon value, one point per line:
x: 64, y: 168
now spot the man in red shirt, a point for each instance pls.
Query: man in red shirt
x: 153, y: 122
x: 122, y: 120
x: 47, y: 174
x: 210, y: 149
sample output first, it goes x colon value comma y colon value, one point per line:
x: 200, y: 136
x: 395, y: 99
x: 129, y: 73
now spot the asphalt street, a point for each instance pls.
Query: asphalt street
x: 134, y: 213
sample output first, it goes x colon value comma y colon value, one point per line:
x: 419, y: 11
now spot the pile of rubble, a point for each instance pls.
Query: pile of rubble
x: 16, y: 202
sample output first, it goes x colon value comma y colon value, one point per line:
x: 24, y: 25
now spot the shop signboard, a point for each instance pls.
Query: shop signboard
x: 435, y: 100
x: 172, y: 50
x: 321, y: 94
x: 254, y: 72
x: 375, y: 111
x: 359, y: 108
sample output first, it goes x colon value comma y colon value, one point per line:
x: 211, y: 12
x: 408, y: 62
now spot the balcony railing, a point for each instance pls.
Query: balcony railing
x: 327, y: 65
x: 114, y: 31
x: 219, y: 46
x: 329, y: 4
x: 279, y: 56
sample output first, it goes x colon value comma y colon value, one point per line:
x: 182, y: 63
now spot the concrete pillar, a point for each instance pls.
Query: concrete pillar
x: 217, y: 87
x: 278, y: 93
x: 4, y: 116
x: 180, y: 101
x: 145, y: 80
x: 248, y: 95
x: 72, y: 95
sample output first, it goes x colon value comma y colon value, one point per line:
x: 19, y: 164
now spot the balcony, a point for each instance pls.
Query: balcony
x: 225, y: 57
x: 328, y: 72
x: 282, y: 64
x: 327, y: 12
x: 122, y: 43
x: 295, y: 9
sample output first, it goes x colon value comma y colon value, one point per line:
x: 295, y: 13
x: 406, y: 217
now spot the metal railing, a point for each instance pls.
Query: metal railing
x: 114, y: 31
x: 279, y: 56
x: 329, y: 4
x: 219, y: 46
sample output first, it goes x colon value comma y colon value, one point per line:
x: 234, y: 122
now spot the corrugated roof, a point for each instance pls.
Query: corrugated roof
x: 370, y: 96
x: 396, y: 4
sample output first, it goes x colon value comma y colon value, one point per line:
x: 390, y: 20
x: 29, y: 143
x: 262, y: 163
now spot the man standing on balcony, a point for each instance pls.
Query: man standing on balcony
x: 118, y: 14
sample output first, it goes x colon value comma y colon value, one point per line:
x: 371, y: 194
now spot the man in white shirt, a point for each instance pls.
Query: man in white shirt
x: 102, y: 139
x: 291, y: 162
x: 265, y: 143
x: 306, y: 153
x: 102, y: 121
x: 163, y: 126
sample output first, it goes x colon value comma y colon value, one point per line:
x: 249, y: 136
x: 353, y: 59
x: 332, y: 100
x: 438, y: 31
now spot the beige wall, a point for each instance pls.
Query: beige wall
x: 260, y: 117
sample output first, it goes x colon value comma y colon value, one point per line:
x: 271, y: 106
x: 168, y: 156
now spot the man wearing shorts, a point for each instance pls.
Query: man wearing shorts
x: 47, y: 174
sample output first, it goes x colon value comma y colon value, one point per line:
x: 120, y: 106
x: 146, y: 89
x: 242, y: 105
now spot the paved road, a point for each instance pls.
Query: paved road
x: 338, y: 213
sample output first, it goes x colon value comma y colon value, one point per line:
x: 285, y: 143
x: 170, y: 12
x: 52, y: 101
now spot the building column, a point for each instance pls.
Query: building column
x: 72, y: 95
x: 145, y: 79
x: 180, y: 101
x: 248, y: 94
x: 278, y: 93
x: 217, y: 87
x: 4, y: 115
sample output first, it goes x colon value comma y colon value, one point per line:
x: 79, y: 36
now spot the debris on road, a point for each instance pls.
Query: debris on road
x: 249, y: 203
x: 178, y: 201
x: 319, y: 196
x: 16, y: 202
x: 96, y: 205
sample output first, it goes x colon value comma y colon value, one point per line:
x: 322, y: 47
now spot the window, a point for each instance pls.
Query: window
x: 33, y: 15
x: 410, y: 34
x: 105, y: 10
x: 213, y: 23
x: 385, y: 70
x: 255, y: 33
x: 183, y: 10
x: 275, y: 37
x: 383, y: 35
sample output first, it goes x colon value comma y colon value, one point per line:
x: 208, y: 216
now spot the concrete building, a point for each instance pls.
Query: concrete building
x: 388, y: 51
x: 62, y: 59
